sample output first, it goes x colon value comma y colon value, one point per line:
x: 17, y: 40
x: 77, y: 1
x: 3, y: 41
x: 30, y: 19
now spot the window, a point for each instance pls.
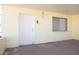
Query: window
x: 59, y: 24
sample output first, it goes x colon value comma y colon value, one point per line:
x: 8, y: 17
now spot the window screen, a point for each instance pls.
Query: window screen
x: 59, y: 24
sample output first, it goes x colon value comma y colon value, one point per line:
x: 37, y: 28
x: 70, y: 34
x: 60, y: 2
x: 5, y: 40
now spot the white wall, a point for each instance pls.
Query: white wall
x: 45, y: 33
x: 75, y: 26
x: 43, y: 30
x: 10, y: 29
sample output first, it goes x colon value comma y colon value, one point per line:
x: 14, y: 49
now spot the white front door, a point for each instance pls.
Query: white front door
x: 27, y: 34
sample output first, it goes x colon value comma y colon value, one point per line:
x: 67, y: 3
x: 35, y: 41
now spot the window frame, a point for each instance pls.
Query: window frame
x: 66, y: 24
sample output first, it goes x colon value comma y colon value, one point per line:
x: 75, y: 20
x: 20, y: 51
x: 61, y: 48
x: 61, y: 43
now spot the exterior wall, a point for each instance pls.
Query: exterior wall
x: 43, y: 30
